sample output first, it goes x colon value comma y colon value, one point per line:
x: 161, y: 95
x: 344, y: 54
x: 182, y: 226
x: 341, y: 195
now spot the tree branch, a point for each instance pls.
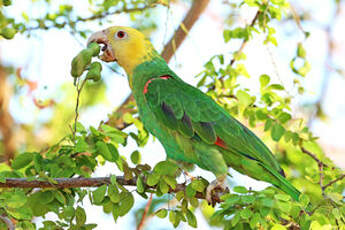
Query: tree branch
x: 62, y: 183
x: 244, y: 42
x: 91, y: 18
x: 312, y: 155
x: 8, y: 222
x: 170, y: 48
x: 6, y: 120
x: 333, y: 181
x: 146, y: 210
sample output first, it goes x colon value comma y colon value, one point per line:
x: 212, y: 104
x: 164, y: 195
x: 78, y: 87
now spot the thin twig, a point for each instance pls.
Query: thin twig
x: 312, y: 155
x: 244, y: 42
x: 8, y: 222
x: 93, y: 17
x: 333, y: 181
x: 146, y: 210
x: 297, y: 19
x: 77, y: 105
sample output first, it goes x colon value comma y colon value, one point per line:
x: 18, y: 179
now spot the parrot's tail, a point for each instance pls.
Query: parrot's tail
x: 283, y: 184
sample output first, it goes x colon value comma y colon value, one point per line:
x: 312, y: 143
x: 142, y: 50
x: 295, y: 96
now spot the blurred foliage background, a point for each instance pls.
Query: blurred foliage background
x: 275, y: 65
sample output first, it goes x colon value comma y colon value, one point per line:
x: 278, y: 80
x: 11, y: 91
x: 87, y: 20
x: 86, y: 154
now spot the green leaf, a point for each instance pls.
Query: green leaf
x: 240, y: 189
x: 80, y: 216
x: 277, y: 131
x: 113, y: 193
x: 235, y: 219
x: 171, y: 181
x: 166, y: 168
x: 282, y: 197
x: 174, y: 218
x: 140, y: 185
x: 248, y: 199
x: 246, y: 213
x: 278, y: 227
x: 114, y: 134
x: 114, y: 153
x: 301, y: 52
x: 152, y: 179
x: 190, y: 191
x: 232, y: 199
x: 68, y: 212
x: 264, y: 80
x: 267, y: 202
x: 163, y: 187
x: 107, y: 206
x: 16, y: 199
x: 22, y: 213
x: 255, y: 221
x: 304, y: 200
x: 198, y: 185
x: 81, y: 146
x: 243, y: 98
x: 126, y: 203
x: 22, y: 160
x: 179, y: 195
x: 45, y: 197
x: 276, y: 87
x: 161, y: 213
x: 135, y: 157
x: 284, y: 117
x: 102, y: 148
x: 194, y: 202
x: 191, y: 219
x: 98, y: 194
x: 113, y: 180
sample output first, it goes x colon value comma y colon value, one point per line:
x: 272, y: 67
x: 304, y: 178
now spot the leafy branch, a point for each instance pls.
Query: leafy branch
x: 100, y: 15
x: 63, y: 183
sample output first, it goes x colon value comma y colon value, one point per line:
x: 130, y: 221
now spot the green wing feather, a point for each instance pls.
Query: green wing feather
x: 208, y: 119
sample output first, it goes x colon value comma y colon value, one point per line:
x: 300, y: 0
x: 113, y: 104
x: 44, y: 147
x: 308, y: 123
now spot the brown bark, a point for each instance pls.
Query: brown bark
x: 61, y: 183
x: 6, y: 120
x: 170, y: 48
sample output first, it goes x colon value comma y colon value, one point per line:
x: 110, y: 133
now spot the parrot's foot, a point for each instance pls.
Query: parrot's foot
x: 215, y: 189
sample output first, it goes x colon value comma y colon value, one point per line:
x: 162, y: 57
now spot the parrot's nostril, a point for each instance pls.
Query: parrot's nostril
x: 104, y: 48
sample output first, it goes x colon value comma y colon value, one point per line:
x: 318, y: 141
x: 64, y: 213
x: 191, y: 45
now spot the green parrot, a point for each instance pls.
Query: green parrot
x: 191, y: 126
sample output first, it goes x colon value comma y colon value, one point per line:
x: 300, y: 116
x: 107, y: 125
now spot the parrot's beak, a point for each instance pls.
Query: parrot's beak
x: 100, y: 37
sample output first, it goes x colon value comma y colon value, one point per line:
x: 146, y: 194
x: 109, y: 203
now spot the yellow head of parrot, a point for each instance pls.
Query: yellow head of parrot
x: 125, y: 45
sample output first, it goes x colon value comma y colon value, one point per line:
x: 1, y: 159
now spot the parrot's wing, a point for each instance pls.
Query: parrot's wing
x: 188, y: 110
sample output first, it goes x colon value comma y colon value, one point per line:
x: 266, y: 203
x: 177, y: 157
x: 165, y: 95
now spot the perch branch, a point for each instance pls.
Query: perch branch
x: 62, y: 183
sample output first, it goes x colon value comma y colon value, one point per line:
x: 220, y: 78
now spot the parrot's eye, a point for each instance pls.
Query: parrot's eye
x: 120, y: 34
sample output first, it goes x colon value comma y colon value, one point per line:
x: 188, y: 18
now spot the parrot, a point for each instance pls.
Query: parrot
x: 190, y: 125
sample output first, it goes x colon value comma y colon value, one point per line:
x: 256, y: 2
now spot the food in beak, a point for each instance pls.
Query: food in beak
x: 101, y: 38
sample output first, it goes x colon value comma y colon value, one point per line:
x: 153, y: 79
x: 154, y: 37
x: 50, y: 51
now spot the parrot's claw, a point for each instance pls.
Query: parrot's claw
x: 214, y: 190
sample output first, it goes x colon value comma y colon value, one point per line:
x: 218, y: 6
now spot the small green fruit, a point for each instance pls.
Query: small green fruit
x: 94, y: 72
x: 6, y: 2
x: 95, y: 49
x: 8, y: 33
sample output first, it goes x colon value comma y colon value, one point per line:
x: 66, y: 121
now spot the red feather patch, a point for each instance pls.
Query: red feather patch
x: 165, y: 77
x: 220, y: 143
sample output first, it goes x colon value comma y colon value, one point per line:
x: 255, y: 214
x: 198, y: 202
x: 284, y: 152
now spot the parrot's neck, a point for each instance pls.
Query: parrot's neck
x: 140, y: 53
x: 153, y: 68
